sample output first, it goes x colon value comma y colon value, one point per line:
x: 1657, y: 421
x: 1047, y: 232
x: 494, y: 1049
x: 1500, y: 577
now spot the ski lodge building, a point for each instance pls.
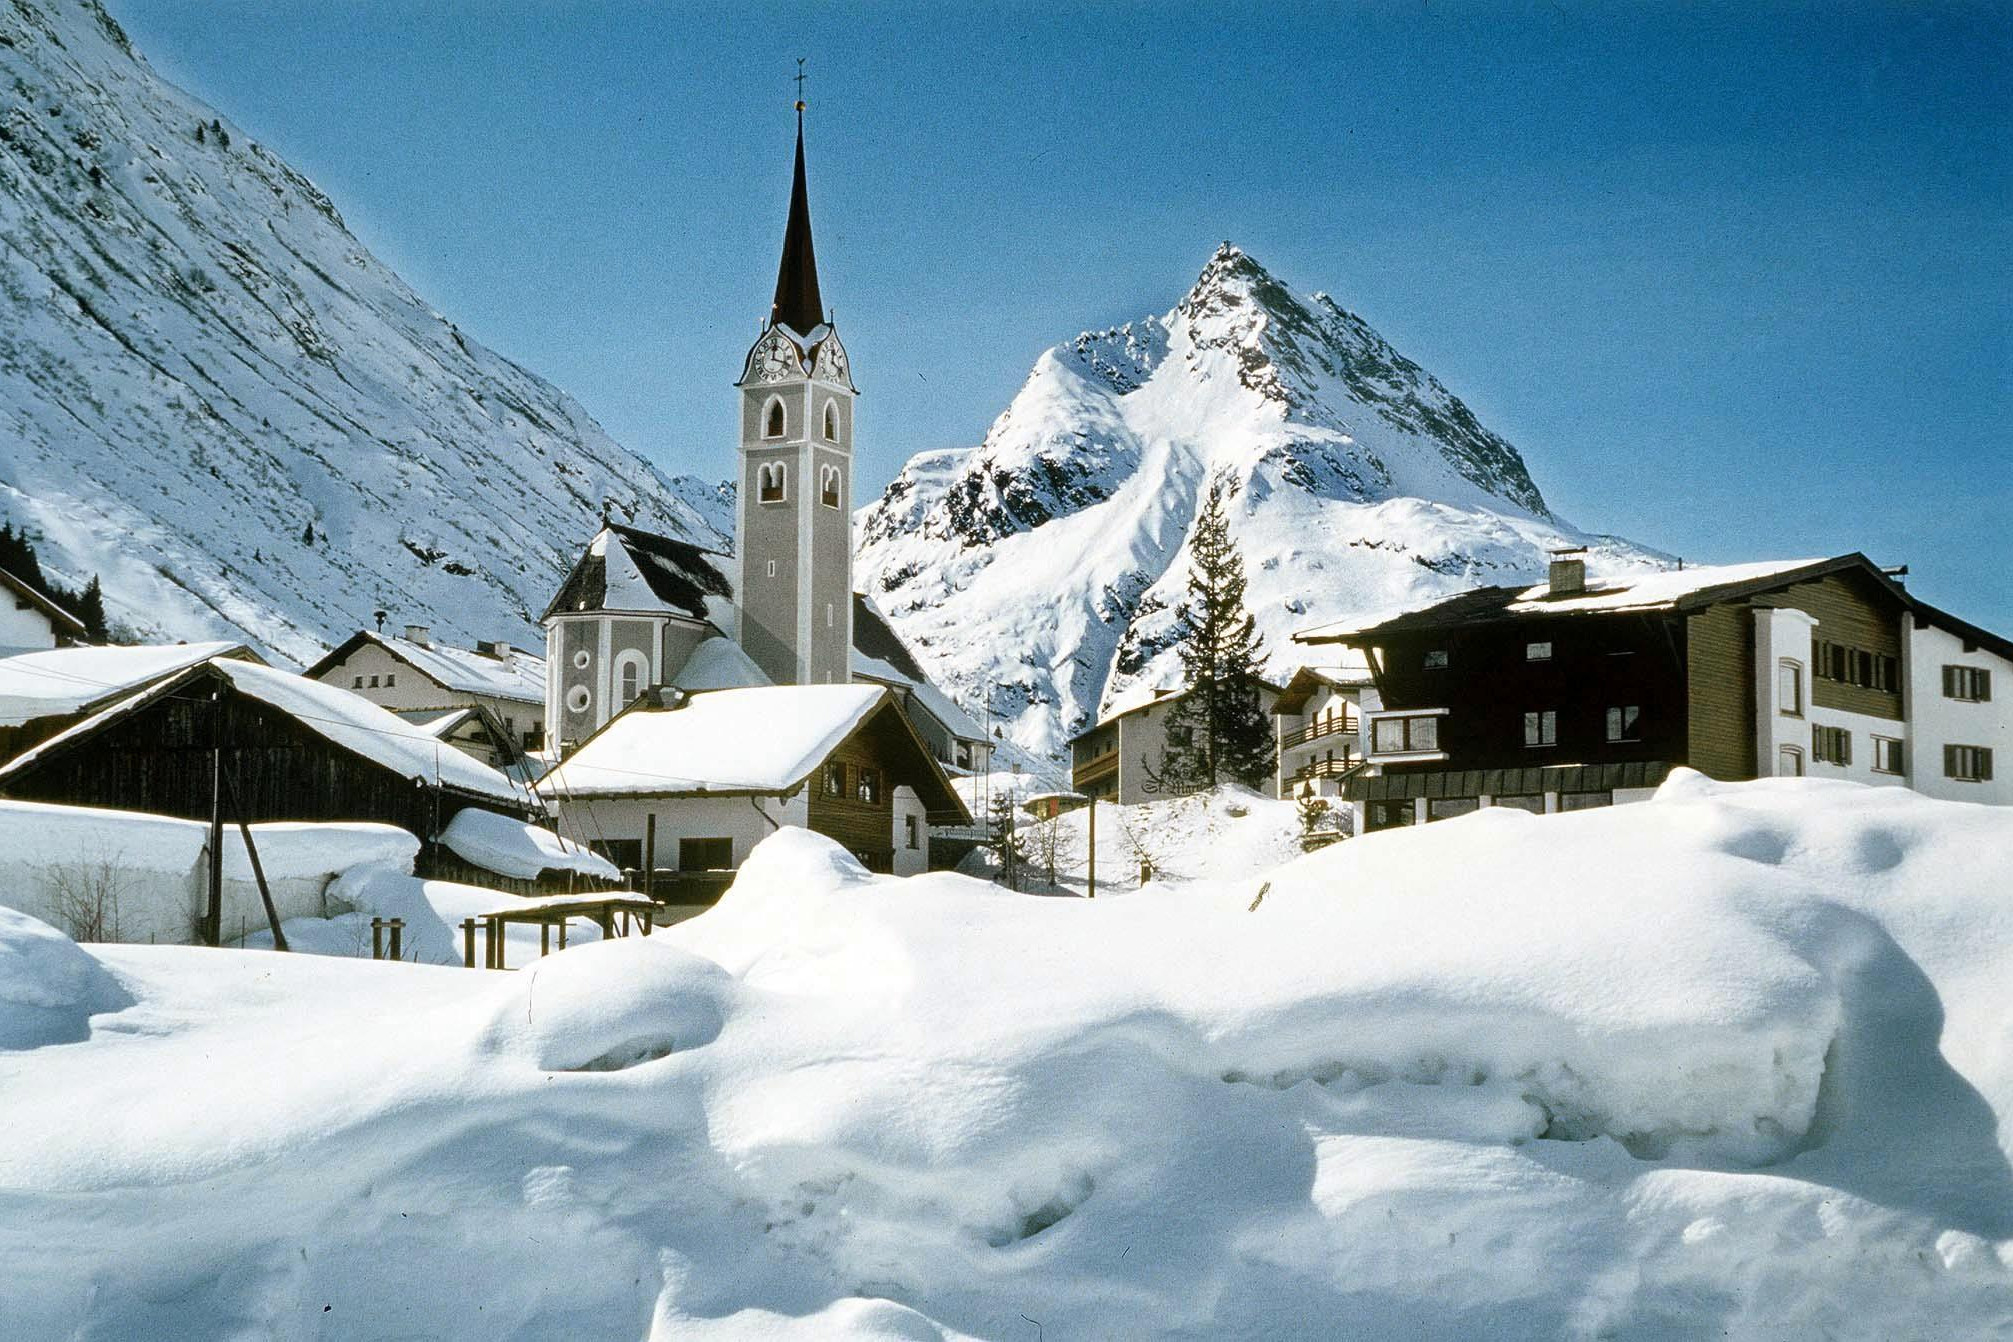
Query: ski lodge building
x: 1563, y: 696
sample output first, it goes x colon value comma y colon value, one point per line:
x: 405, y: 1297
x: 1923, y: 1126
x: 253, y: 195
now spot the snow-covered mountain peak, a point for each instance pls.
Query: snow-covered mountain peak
x: 1042, y: 570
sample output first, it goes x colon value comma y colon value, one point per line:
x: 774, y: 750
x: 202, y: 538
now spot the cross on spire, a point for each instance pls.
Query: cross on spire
x: 800, y: 83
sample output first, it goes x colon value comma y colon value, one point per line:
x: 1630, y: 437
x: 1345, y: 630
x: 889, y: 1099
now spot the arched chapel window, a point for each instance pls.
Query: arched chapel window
x: 769, y: 482
x: 772, y: 426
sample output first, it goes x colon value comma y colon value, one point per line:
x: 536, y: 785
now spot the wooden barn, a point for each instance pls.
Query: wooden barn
x: 264, y: 745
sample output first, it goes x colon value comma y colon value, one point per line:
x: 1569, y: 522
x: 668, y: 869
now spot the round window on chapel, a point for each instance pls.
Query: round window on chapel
x: 576, y: 699
x: 580, y: 659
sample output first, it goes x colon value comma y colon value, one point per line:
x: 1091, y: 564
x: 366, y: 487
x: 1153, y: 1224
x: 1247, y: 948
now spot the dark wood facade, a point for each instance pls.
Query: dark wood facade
x: 1491, y: 680
x: 1687, y: 668
x: 1719, y: 668
x: 158, y: 758
x: 852, y: 792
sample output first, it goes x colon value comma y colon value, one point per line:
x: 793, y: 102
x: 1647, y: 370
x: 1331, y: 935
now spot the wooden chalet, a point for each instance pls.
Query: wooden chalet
x: 264, y: 744
x: 680, y: 788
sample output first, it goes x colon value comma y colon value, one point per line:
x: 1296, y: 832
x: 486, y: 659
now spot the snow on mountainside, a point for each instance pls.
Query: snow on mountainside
x: 1044, y: 569
x: 200, y: 368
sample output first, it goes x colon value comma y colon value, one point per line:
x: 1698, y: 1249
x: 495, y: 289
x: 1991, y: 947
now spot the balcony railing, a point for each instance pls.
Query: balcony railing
x: 1324, y: 727
x: 1341, y: 768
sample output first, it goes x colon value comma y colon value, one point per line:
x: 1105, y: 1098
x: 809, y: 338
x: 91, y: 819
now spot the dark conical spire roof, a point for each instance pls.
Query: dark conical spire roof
x: 797, y: 304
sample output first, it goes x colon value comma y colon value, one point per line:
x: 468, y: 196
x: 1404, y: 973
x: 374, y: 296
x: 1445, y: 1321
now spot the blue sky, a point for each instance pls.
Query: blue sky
x: 1735, y: 279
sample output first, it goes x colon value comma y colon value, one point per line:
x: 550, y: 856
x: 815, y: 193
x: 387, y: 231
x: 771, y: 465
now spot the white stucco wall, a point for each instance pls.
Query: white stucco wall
x: 910, y: 861
x: 1780, y: 635
x: 23, y: 628
x: 746, y: 821
x: 1939, y: 721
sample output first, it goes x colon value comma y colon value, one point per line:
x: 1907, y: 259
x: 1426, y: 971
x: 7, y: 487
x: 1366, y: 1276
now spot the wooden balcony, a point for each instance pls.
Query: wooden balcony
x: 1321, y: 728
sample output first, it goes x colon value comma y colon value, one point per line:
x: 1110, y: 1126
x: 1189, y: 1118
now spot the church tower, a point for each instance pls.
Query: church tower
x: 793, y: 538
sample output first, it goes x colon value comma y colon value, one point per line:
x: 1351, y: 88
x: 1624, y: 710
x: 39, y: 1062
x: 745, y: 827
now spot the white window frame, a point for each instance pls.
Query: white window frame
x: 1532, y: 651
x: 626, y: 661
x: 1889, y: 744
x: 775, y: 471
x: 1793, y: 757
x: 771, y: 410
x: 1795, y: 668
x: 829, y: 492
x: 831, y: 421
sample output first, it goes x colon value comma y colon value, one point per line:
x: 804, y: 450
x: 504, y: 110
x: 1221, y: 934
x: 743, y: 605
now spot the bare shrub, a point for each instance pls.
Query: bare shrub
x: 86, y: 894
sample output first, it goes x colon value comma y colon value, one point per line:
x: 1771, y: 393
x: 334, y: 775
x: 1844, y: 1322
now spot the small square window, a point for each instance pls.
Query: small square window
x: 1789, y: 762
x: 1967, y: 764
x: 1537, y: 652
x: 1622, y: 722
x: 391, y: 679
x: 373, y: 682
x: 1886, y: 755
x: 1541, y: 728
x: 869, y: 789
x: 358, y: 684
x: 1436, y: 660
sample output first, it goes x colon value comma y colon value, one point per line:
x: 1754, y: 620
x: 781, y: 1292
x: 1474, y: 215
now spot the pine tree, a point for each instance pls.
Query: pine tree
x: 91, y: 610
x: 1218, y: 731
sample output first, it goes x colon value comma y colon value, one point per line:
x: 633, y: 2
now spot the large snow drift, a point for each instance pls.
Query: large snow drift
x: 1734, y: 1063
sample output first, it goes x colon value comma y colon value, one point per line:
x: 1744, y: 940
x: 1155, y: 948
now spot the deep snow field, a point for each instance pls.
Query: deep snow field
x: 1734, y: 1063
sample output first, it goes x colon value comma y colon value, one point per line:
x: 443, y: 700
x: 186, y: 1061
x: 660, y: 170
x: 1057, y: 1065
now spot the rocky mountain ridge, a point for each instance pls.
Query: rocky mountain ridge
x: 1040, y: 573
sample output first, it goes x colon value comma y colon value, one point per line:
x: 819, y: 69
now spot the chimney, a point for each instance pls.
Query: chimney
x: 1569, y: 571
x: 499, y: 650
x: 420, y: 634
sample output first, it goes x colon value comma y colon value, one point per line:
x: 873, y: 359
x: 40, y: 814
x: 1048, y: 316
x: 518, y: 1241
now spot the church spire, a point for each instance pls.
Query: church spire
x: 797, y: 304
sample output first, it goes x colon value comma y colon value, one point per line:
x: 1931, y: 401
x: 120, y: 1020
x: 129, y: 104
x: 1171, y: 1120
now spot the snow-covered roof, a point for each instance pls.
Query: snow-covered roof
x: 439, y: 723
x: 1650, y: 591
x: 628, y: 569
x: 354, y: 723
x: 61, y: 681
x: 1131, y: 700
x: 514, y: 848
x: 767, y: 739
x: 719, y: 663
x: 372, y: 732
x: 520, y: 677
x: 41, y: 601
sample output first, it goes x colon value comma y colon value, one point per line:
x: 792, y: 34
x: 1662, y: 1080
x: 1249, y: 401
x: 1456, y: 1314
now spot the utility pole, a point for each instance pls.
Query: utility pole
x: 213, y: 907
x: 650, y: 855
x: 1093, y: 850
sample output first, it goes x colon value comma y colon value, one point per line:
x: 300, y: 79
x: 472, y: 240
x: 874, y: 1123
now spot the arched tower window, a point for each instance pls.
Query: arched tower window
x: 831, y: 421
x: 630, y: 668
x: 769, y: 482
x: 828, y: 483
x: 772, y: 419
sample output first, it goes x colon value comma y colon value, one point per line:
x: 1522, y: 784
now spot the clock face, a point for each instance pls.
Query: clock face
x: 775, y: 361
x: 832, y: 362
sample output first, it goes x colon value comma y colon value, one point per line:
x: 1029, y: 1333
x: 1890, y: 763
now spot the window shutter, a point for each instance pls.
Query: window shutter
x: 1949, y: 682
x: 1984, y: 765
x: 1984, y: 683
x: 1949, y: 760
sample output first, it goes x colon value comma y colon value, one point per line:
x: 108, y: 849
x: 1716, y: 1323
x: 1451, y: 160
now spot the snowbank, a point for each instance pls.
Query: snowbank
x: 49, y: 988
x: 513, y: 848
x: 1732, y: 1063
x: 105, y: 875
